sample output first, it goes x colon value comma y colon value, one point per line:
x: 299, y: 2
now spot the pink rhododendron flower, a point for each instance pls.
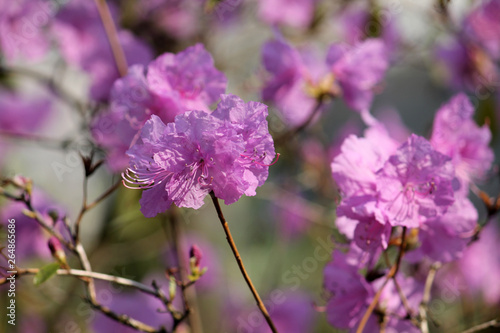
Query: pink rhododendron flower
x: 358, y: 69
x: 292, y: 74
x: 350, y: 293
x: 445, y: 237
x: 457, y: 135
x: 227, y: 152
x: 415, y: 181
x: 355, y: 172
x: 299, y: 78
x: 170, y: 85
x: 483, y: 26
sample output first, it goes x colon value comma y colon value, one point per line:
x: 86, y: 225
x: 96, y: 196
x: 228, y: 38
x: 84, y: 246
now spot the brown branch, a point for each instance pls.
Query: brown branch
x: 236, y: 254
x: 392, y: 273
x: 88, y: 206
x: 112, y: 34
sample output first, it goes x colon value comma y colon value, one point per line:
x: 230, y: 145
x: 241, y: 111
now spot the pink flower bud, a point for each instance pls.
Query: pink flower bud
x: 57, y: 251
x: 195, y: 252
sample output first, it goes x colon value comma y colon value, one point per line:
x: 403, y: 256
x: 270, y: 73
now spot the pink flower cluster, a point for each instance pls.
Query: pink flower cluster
x: 299, y: 79
x: 418, y: 184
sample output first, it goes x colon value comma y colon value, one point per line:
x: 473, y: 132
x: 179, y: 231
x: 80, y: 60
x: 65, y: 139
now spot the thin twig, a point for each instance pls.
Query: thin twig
x: 236, y: 254
x: 188, y: 295
x: 424, y: 324
x: 483, y: 326
x: 124, y: 319
x: 290, y: 134
x: 103, y: 196
x: 402, y: 296
x: 85, y: 274
x: 114, y: 279
x: 83, y: 209
x: 88, y: 206
x: 82, y: 256
x: 394, y: 270
x: 112, y: 34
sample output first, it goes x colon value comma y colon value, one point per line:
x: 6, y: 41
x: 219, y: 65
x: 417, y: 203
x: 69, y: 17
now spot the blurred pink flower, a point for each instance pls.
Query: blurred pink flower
x: 22, y: 29
x: 456, y: 134
x: 83, y: 42
x: 295, y: 13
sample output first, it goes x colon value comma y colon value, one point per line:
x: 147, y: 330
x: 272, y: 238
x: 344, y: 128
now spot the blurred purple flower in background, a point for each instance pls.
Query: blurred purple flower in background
x: 22, y: 29
x: 456, y: 134
x: 31, y: 237
x: 19, y: 114
x: 293, y: 77
x: 468, y: 57
x: 299, y: 79
x: 478, y: 270
x: 293, y: 214
x: 358, y: 25
x: 83, y: 43
x: 483, y: 25
x: 294, y: 13
x: 466, y: 65
x: 358, y: 69
x: 134, y: 304
x: 292, y: 312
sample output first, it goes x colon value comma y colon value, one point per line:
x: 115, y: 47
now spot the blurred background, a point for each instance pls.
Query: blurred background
x: 58, y: 78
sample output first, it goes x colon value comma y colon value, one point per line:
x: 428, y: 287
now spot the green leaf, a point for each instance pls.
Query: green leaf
x: 45, y: 273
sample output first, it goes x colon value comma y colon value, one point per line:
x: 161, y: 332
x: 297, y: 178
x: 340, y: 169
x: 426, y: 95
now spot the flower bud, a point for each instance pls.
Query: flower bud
x: 195, y: 255
x: 57, y: 251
